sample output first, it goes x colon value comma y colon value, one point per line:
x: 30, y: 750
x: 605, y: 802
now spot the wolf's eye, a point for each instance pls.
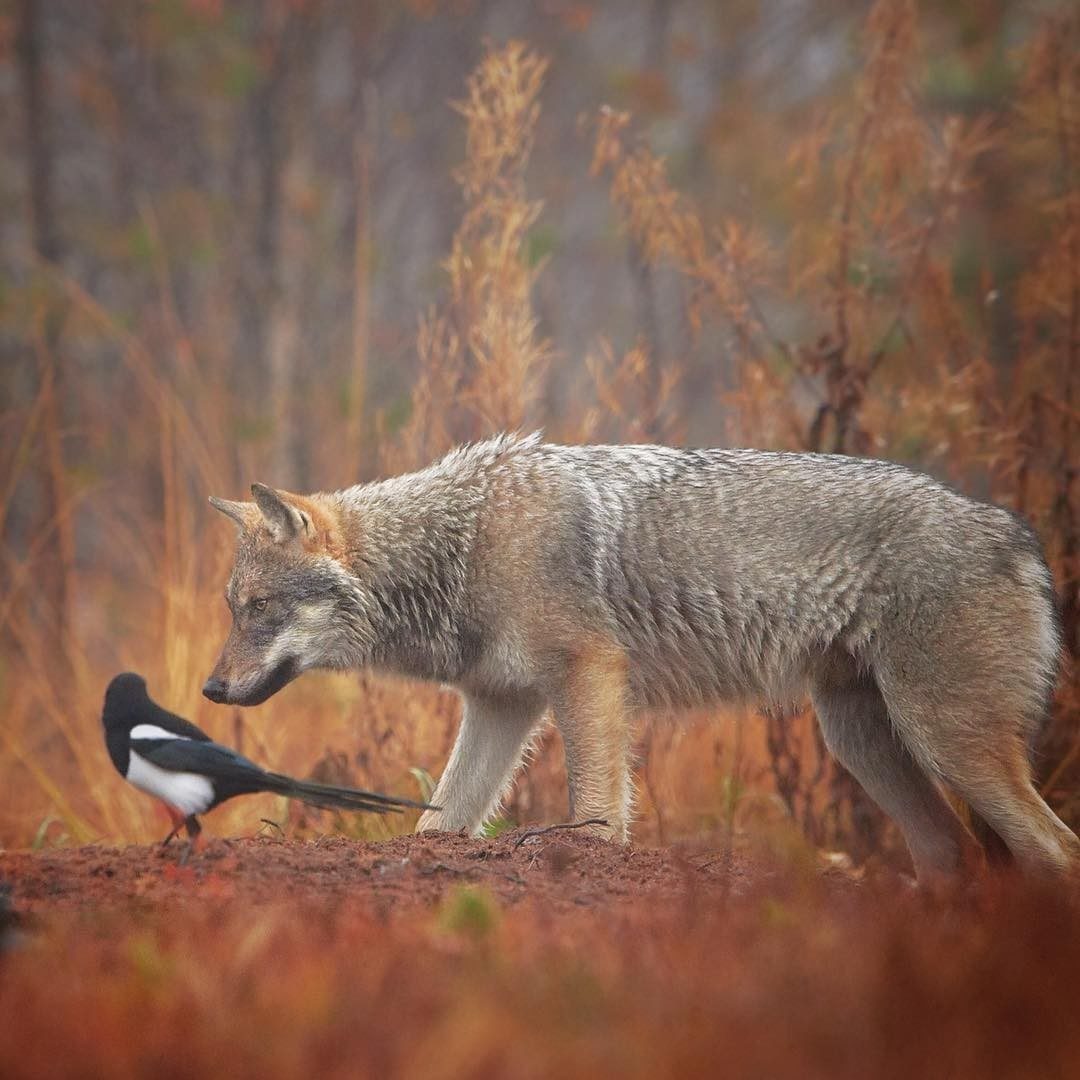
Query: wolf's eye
x: 260, y: 604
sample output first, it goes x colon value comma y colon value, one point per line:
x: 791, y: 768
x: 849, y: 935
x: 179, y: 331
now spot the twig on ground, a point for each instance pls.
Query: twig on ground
x: 562, y: 825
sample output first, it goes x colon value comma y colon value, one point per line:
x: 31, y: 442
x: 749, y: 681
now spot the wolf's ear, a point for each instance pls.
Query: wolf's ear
x: 285, y: 521
x: 238, y: 511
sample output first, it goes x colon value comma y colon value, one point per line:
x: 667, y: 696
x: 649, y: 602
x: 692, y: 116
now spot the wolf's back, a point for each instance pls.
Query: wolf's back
x: 727, y: 571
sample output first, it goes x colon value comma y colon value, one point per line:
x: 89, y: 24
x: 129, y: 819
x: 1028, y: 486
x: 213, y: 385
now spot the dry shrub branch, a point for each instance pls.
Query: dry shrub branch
x: 482, y: 361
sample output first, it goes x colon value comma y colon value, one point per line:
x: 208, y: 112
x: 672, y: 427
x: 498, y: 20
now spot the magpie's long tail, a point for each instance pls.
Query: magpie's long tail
x: 339, y: 798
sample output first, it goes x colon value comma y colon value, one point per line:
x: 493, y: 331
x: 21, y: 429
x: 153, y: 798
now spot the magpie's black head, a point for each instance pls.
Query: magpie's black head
x: 126, y: 701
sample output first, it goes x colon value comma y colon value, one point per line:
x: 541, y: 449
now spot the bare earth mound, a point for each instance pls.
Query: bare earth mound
x: 561, y: 869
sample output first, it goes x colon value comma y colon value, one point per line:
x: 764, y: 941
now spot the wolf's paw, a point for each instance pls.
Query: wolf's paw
x: 433, y: 821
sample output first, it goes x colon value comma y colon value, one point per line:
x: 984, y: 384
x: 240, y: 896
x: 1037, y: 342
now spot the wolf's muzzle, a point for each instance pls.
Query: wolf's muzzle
x: 256, y: 693
x: 215, y: 690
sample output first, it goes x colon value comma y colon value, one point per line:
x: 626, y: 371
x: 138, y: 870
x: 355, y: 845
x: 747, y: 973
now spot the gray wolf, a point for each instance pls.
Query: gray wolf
x: 170, y: 758
x: 600, y: 580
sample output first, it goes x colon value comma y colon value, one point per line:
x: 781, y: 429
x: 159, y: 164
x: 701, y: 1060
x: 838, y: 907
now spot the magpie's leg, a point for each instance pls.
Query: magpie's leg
x: 178, y: 823
x: 191, y: 823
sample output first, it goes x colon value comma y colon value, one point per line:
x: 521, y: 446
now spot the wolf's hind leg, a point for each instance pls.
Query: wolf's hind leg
x: 858, y: 732
x: 977, y: 746
x: 592, y: 714
x: 490, y: 742
x: 968, y: 699
x: 1005, y: 796
x: 993, y: 776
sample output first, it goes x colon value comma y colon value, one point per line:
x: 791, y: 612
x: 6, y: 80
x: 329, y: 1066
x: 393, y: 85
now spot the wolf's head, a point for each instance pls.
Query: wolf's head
x: 292, y: 601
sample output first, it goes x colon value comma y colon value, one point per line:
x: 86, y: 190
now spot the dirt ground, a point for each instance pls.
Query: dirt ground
x: 527, y: 956
x: 562, y: 869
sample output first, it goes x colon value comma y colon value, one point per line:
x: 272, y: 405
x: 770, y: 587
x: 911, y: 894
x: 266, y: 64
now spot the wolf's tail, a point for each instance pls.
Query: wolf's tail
x: 332, y: 797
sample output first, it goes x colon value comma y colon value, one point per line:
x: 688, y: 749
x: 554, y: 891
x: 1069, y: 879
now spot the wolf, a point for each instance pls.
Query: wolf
x: 598, y: 581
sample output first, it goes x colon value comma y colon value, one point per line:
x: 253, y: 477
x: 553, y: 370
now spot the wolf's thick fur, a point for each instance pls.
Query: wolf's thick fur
x: 596, y: 580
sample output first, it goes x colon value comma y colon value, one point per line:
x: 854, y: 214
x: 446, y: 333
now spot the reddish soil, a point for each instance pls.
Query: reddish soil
x: 562, y: 869
x: 521, y: 957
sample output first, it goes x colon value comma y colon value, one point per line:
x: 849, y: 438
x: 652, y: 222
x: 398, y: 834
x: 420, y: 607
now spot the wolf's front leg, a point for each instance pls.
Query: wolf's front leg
x: 592, y: 714
x: 491, y: 740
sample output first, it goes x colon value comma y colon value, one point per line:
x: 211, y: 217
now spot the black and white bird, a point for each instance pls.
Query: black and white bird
x: 170, y: 758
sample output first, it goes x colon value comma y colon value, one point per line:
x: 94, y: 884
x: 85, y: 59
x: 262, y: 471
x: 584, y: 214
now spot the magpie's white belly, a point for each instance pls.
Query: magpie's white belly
x: 189, y: 793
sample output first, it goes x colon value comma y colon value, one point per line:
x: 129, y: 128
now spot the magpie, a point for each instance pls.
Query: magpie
x: 170, y: 758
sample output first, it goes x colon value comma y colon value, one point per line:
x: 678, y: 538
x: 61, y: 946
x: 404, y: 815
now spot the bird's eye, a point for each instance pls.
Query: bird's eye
x: 260, y: 604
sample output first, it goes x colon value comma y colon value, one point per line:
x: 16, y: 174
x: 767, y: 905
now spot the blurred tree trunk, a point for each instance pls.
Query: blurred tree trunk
x: 358, y: 441
x: 56, y: 554
x: 275, y: 326
x: 39, y: 155
x: 642, y: 273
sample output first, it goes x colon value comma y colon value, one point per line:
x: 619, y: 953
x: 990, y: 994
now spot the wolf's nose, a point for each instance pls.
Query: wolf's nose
x: 214, y: 689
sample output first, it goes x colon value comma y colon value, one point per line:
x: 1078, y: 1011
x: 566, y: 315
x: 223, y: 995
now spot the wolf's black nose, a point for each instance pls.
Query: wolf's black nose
x: 214, y: 689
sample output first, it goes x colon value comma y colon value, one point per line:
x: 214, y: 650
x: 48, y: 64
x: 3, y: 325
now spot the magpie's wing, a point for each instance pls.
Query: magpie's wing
x: 171, y: 722
x: 209, y: 759
x: 233, y: 774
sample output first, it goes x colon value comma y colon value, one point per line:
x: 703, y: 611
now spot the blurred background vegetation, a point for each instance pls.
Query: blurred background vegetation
x: 309, y: 242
